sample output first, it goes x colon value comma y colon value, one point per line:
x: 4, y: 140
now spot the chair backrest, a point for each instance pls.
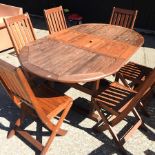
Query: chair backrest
x: 144, y: 87
x: 123, y: 17
x: 55, y: 19
x: 9, y: 76
x: 20, y: 30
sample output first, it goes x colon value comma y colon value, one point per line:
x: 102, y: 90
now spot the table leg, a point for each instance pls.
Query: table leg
x: 86, y: 109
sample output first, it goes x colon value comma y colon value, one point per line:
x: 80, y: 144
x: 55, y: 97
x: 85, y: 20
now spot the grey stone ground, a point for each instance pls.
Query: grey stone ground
x: 80, y: 139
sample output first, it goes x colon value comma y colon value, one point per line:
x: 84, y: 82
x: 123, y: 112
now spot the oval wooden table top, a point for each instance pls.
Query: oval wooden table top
x: 82, y: 53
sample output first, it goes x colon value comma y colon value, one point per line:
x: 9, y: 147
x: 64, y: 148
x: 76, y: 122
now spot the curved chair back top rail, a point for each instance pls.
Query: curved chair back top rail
x: 55, y: 19
x: 123, y: 17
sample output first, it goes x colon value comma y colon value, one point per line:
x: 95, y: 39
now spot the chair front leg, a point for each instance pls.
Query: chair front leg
x: 120, y: 76
x: 108, y: 127
x: 142, y: 125
x: 56, y: 130
x: 18, y: 123
x: 61, y: 132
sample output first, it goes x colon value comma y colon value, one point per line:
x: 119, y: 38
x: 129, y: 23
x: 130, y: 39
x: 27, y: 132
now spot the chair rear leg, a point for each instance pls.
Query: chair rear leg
x: 99, y: 126
x: 142, y: 109
x: 142, y: 126
x: 117, y: 140
x: 57, y: 127
x: 92, y: 114
x: 18, y: 123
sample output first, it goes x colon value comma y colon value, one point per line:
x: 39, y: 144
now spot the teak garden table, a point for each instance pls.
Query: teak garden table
x: 82, y: 53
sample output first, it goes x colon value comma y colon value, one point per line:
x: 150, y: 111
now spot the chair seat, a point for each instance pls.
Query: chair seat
x: 135, y: 72
x: 51, y: 101
x: 114, y: 97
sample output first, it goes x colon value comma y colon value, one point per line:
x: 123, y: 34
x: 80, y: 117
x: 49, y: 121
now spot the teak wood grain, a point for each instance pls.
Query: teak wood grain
x: 83, y: 53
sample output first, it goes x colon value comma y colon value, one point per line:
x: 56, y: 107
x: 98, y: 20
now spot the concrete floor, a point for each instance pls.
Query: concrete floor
x: 80, y: 139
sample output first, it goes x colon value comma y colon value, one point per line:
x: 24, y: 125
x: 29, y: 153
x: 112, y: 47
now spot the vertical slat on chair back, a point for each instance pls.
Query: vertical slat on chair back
x: 144, y: 87
x: 55, y: 19
x: 20, y: 30
x: 8, y: 74
x: 123, y: 17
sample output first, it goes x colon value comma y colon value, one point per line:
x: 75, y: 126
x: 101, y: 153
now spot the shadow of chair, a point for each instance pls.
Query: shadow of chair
x: 39, y: 103
x: 104, y: 151
x: 149, y: 152
x: 150, y: 121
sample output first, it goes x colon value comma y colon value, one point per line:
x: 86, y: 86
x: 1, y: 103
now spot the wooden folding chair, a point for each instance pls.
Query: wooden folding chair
x: 21, y: 33
x: 20, y: 30
x: 115, y: 102
x: 123, y: 17
x: 55, y: 19
x: 40, y: 103
x: 134, y: 73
